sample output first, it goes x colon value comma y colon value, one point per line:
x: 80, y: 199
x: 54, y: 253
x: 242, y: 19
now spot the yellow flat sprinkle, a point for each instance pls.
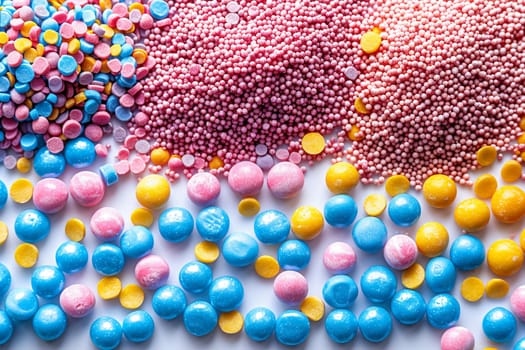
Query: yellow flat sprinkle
x: 75, y: 229
x: 374, y: 204
x: 266, y: 266
x: 511, y: 171
x: 413, y: 277
x: 249, y: 206
x: 26, y: 255
x: 485, y: 186
x: 131, y: 297
x: 231, y: 322
x: 50, y: 37
x: 360, y: 106
x: 4, y: 232
x: 109, y: 287
x: 472, y: 289
x: 23, y: 165
x: 142, y: 217
x: 353, y: 134
x: 313, y: 143
x: 521, y: 139
x: 313, y: 308
x: 216, y: 163
x: 497, y: 288
x: 370, y: 41
x: 4, y: 38
x: 23, y: 44
x: 486, y: 155
x: 206, y: 252
x: 397, y: 184
x: 21, y: 191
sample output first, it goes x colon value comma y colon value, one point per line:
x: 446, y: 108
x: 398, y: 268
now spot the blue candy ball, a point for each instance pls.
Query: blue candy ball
x: 136, y: 242
x: 440, y: 275
x: 175, y: 224
x: 105, y: 333
x: 271, y: 227
x: 226, y: 293
x: 169, y: 302
x: 240, y: 249
x: 3, y: 194
x: 341, y: 325
x: 5, y: 279
x: 340, y: 291
x: 443, y: 311
x: 49, y: 322
x: 212, y: 224
x: 195, y: 277
x: 138, y: 326
x: 200, y: 318
x: 375, y: 324
x: 6, y: 327
x: 71, y: 257
x: 107, y: 259
x: 293, y: 255
x: 80, y: 152
x: 499, y: 325
x: 467, y: 252
x: 408, y: 306
x: 292, y: 328
x: 259, y: 324
x: 47, y: 281
x: 340, y: 211
x: 378, y: 284
x: 21, y: 304
x: 369, y: 234
x: 47, y: 164
x: 520, y: 344
x: 32, y: 226
x: 404, y: 210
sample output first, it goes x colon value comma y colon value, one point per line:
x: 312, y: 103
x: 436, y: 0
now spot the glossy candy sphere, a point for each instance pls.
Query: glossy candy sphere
x: 77, y: 300
x: 153, y: 191
x: 505, y: 257
x: 341, y: 177
x: 340, y: 291
x: 50, y: 195
x: 341, y: 325
x: 375, y: 324
x: 467, y: 252
x: 47, y: 281
x: 400, y: 252
x: 32, y: 226
x: 517, y: 302
x: 246, y: 178
x: 339, y: 258
x: 4, y: 194
x: 107, y: 259
x: 408, y: 306
x: 21, y: 304
x: 80, y: 152
x: 106, y: 224
x: 105, y: 333
x: 6, y: 327
x: 226, y: 293
x: 175, y: 224
x: 285, y: 180
x: 340, y: 211
x: 138, y: 326
x: 292, y: 328
x: 259, y: 324
x: 307, y: 222
x: 195, y: 277
x: 404, y: 210
x: 378, y: 284
x: 203, y: 188
x: 271, y: 227
x: 499, y: 325
x: 508, y: 204
x: 293, y: 254
x: 472, y: 214
x: 439, y: 190
x: 49, y: 322
x: 5, y: 279
x: 169, y: 302
x: 87, y: 188
x: 212, y: 224
x: 443, y: 311
x: 369, y: 234
x: 432, y: 239
x: 136, y: 242
x: 47, y: 164
x: 290, y: 287
x: 200, y: 318
x: 520, y: 344
x: 457, y: 338
x: 152, y: 271
x: 71, y: 257
x: 440, y: 275
x: 240, y: 249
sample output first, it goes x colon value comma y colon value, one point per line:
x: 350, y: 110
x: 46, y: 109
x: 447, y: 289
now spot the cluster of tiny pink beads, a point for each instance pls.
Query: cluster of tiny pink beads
x: 449, y: 78
x: 220, y: 88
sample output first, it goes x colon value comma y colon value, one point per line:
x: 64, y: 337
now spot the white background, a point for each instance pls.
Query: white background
x: 258, y: 292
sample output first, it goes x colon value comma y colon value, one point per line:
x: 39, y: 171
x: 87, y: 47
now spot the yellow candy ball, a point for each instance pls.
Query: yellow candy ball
x: 153, y: 191
x: 439, y: 191
x: 472, y: 214
x: 505, y: 257
x: 341, y: 177
x: 307, y: 222
x: 160, y: 156
x: 432, y: 239
x: 522, y: 240
x: 508, y: 204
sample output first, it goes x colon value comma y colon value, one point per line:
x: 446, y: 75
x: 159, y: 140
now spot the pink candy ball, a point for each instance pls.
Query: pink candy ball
x: 107, y: 223
x: 457, y: 338
x: 203, y: 188
x: 285, y: 180
x: 339, y: 258
x: 50, y: 195
x: 290, y: 287
x: 400, y: 252
x: 517, y: 302
x: 246, y: 178
x: 152, y: 271
x: 87, y: 188
x: 77, y: 300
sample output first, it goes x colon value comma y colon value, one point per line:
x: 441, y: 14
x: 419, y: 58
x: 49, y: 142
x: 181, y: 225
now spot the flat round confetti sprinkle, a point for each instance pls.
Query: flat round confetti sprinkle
x: 231, y: 322
x: 486, y: 155
x: 249, y: 206
x: 472, y: 289
x: 497, y: 288
x: 313, y: 143
x: 131, y: 297
x: 21, y: 191
x: 142, y: 216
x: 374, y: 204
x: 109, y: 287
x: 75, y: 229
x: 313, y: 307
x: 397, y: 184
x: 206, y: 252
x: 26, y: 255
x: 266, y: 266
x: 4, y: 232
x: 413, y: 277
